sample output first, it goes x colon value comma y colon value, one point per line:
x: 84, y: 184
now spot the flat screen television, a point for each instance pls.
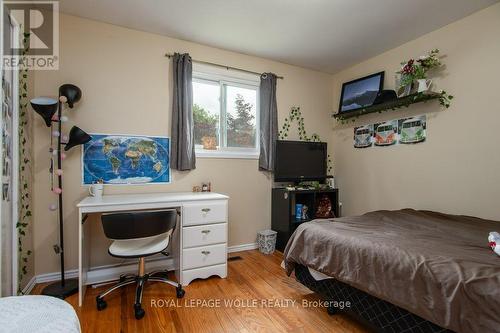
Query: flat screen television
x: 360, y: 93
x: 300, y: 161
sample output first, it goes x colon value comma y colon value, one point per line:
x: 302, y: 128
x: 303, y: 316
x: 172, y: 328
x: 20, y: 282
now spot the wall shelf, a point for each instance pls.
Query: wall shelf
x: 390, y: 105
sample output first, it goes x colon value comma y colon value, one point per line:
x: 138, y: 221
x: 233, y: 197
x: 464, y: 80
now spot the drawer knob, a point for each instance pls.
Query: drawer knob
x: 205, y: 252
x: 205, y: 210
x: 205, y: 231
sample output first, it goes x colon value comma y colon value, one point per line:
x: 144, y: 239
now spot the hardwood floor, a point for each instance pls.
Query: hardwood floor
x: 253, y: 280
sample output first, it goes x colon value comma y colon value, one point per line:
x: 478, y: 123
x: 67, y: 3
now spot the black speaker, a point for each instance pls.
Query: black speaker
x: 385, y: 96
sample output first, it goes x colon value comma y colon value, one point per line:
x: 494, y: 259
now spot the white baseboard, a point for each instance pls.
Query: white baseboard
x: 51, y: 277
x: 112, y: 272
x: 242, y: 247
x: 106, y: 273
x: 29, y: 286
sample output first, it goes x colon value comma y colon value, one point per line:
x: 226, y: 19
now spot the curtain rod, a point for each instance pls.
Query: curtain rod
x: 168, y: 55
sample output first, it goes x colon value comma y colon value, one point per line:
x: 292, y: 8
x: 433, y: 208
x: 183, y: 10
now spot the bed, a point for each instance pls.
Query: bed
x: 40, y: 314
x: 431, y: 269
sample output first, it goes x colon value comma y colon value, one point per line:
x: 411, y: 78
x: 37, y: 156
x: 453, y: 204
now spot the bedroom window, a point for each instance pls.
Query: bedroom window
x: 225, y: 111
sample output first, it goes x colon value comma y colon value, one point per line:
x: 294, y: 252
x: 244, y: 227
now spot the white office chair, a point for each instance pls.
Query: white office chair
x: 139, y: 235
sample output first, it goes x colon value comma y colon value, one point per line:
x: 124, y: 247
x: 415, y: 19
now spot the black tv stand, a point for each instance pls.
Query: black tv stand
x: 283, y: 219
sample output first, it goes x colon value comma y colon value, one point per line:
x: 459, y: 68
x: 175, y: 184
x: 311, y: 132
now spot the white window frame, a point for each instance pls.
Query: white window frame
x: 212, y: 75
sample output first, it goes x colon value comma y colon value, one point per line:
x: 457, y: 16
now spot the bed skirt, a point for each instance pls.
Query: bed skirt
x: 379, y: 315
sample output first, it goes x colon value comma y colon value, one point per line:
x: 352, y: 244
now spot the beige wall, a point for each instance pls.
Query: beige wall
x: 457, y: 169
x: 126, y: 89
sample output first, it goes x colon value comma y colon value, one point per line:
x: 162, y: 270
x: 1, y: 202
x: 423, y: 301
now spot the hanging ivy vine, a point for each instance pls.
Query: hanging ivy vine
x: 296, y: 115
x: 24, y: 169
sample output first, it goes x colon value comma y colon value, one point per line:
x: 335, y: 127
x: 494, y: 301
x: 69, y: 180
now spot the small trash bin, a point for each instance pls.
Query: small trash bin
x: 266, y: 239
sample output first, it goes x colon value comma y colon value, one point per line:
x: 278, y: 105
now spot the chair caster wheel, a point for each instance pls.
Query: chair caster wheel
x: 180, y: 292
x: 139, y: 311
x: 331, y: 310
x: 101, y: 303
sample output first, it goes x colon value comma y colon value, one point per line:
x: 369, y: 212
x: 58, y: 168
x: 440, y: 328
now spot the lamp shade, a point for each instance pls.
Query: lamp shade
x: 71, y: 92
x: 45, y: 107
x: 77, y: 136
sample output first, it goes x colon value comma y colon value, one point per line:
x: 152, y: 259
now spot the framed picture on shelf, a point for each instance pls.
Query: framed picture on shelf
x: 360, y: 93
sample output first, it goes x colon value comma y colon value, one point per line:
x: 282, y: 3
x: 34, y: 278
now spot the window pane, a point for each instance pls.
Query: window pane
x: 241, y: 108
x: 206, y: 114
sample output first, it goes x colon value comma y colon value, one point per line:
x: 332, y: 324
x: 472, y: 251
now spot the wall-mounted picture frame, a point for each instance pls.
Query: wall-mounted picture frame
x: 116, y: 159
x: 5, y: 192
x: 5, y: 166
x: 412, y: 130
x: 385, y: 134
x: 5, y: 112
x: 363, y: 136
x: 403, y: 131
x: 6, y: 90
x: 360, y: 93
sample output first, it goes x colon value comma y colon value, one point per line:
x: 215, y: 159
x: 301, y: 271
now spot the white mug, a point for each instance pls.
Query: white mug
x: 96, y: 190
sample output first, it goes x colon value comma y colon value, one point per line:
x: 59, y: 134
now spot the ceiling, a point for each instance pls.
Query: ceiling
x: 326, y: 35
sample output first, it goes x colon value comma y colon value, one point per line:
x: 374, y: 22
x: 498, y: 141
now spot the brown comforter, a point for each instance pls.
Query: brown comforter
x: 434, y: 265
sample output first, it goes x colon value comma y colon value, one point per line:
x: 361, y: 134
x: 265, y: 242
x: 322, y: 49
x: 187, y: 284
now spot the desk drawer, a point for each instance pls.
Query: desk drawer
x: 204, y: 256
x: 204, y: 235
x: 204, y: 213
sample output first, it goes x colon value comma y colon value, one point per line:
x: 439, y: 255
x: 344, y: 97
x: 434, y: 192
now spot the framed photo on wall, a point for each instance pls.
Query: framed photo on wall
x: 360, y: 93
x: 117, y: 159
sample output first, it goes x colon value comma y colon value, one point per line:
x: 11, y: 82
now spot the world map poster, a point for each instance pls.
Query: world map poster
x: 125, y: 159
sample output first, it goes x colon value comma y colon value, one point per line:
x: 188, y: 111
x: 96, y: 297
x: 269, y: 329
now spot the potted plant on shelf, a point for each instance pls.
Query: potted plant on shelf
x: 412, y: 76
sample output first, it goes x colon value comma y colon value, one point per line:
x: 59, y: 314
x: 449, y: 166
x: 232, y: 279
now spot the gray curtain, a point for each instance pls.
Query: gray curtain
x: 182, y: 150
x: 268, y: 121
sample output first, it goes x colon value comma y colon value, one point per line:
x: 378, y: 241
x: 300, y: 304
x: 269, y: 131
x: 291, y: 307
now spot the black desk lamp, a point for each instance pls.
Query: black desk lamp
x: 47, y: 107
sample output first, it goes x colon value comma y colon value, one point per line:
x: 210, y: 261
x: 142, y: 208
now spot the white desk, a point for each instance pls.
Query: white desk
x: 201, y: 242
